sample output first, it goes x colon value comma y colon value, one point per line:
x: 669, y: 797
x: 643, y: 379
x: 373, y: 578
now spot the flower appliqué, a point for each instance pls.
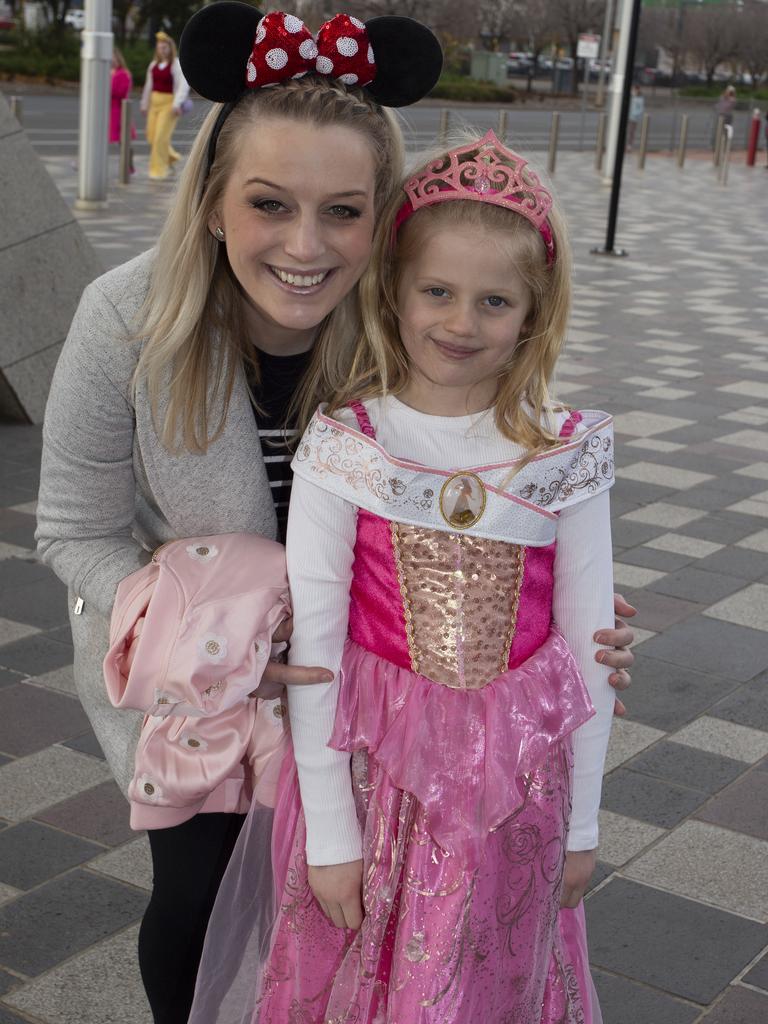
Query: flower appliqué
x: 212, y: 647
x: 149, y: 790
x: 202, y: 552
x: 192, y: 741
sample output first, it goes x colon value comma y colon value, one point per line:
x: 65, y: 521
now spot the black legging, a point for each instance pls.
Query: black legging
x: 188, y: 864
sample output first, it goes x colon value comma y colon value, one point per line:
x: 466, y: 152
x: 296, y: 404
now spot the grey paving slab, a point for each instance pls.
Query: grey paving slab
x: 19, y: 571
x: 666, y: 696
x: 721, y: 528
x: 640, y: 932
x: 709, y: 645
x: 746, y: 705
x: 8, y: 677
x: 86, y: 744
x: 32, y: 718
x: 739, y: 1005
x: 650, y: 558
x: 30, y: 784
x: 41, y: 928
x: 42, y: 603
x: 7, y: 981
x: 758, y: 975
x: 692, y: 860
x: 7, y: 1017
x: 100, y: 813
x: 649, y: 799
x: 687, y: 766
x: 31, y: 853
x: 743, y: 807
x: 657, y: 611
x: 627, y: 1002
x: 36, y: 655
x: 76, y: 992
x: 693, y: 583
x: 736, y: 561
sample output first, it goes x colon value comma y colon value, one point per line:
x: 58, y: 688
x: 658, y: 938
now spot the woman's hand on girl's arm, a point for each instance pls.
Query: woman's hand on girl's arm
x: 277, y: 675
x: 338, y: 890
x: 579, y: 867
x: 617, y: 655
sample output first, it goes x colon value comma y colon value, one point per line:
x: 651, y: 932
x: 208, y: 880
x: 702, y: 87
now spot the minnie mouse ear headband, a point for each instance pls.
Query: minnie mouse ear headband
x: 484, y: 171
x: 228, y: 48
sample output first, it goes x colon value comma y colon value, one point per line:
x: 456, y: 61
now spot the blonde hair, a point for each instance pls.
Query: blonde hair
x: 117, y: 54
x: 195, y: 298
x: 163, y: 37
x: 523, y: 402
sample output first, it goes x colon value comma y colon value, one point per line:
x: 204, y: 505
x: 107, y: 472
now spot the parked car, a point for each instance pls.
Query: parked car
x: 75, y: 18
x: 519, y: 63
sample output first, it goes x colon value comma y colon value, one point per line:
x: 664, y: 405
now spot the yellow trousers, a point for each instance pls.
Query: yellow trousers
x: 161, y: 121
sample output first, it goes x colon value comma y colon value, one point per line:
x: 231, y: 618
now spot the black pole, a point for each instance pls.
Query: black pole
x: 621, y: 141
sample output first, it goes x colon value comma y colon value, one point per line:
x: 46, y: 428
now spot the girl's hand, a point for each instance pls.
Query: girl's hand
x: 618, y: 657
x: 579, y: 867
x: 277, y: 674
x: 338, y: 890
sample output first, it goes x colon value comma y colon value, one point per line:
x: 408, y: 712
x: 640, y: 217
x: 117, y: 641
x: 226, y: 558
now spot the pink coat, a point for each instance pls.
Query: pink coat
x: 122, y: 83
x: 190, y: 636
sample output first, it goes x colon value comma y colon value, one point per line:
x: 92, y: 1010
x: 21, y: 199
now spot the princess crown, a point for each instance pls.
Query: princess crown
x: 484, y: 171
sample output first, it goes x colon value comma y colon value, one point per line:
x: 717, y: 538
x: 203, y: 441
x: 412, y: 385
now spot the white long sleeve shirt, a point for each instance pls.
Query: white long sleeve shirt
x: 320, y: 544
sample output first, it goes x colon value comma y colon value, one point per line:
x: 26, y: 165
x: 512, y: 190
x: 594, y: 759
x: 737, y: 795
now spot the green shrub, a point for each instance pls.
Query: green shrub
x: 460, y: 87
x: 744, y: 96
x: 54, y: 53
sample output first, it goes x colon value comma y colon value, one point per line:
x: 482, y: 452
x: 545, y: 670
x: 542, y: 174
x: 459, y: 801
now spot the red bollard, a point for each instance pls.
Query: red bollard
x: 754, y: 135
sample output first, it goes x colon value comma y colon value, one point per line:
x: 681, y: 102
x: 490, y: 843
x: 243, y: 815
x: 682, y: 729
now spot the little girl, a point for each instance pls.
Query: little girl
x: 449, y: 551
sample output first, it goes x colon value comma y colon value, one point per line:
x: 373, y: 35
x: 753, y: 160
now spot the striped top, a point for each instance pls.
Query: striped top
x: 280, y: 379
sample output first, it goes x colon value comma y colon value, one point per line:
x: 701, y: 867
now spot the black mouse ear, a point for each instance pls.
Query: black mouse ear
x: 214, y: 49
x: 408, y: 57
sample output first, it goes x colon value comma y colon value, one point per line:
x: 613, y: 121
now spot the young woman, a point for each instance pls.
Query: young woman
x: 165, y: 90
x: 177, y: 376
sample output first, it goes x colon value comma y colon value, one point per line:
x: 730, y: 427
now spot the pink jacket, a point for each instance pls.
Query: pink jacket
x: 190, y: 636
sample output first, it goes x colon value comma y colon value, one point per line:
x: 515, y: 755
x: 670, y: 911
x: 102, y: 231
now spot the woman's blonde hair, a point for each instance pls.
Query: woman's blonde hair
x: 163, y: 37
x: 380, y: 366
x: 192, y: 320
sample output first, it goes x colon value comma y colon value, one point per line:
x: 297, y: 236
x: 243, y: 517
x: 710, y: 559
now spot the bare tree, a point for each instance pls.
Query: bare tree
x: 572, y: 17
x: 711, y: 36
x: 751, y: 39
x: 496, y: 22
x: 534, y: 27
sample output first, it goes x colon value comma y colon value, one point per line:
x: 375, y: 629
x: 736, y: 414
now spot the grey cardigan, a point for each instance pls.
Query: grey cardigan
x: 110, y: 492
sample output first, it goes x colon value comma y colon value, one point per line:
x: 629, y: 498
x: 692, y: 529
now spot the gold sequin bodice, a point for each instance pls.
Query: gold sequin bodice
x: 460, y: 601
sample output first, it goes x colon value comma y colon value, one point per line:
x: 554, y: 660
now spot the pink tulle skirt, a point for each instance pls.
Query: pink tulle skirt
x: 463, y: 799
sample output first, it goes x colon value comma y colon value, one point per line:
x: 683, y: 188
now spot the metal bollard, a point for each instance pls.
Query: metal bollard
x: 553, y: 135
x: 644, y: 129
x: 125, y: 142
x: 600, y: 145
x: 725, y: 156
x: 17, y: 108
x: 718, y: 140
x: 501, y: 132
x: 683, y: 141
x: 445, y: 124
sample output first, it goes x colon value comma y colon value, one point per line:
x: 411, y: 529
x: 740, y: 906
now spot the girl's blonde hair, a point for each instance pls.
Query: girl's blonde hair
x: 119, y: 58
x: 192, y: 320
x: 380, y: 366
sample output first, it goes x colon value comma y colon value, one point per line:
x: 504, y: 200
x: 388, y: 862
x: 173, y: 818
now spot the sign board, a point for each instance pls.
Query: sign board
x: 589, y: 47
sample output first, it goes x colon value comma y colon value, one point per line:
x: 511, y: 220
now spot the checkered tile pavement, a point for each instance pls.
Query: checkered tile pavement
x: 673, y: 341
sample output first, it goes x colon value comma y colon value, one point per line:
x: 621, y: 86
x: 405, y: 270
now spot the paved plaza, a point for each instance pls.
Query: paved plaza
x: 673, y: 341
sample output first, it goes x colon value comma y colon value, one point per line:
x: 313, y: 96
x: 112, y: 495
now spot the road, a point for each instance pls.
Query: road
x: 51, y: 122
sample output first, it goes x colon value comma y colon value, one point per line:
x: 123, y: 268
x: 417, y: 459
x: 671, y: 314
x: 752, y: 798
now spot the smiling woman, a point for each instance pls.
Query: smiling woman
x: 175, y: 393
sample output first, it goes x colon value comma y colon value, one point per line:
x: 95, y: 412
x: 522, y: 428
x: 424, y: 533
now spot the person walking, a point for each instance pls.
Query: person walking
x: 636, y: 111
x: 120, y: 89
x: 165, y: 91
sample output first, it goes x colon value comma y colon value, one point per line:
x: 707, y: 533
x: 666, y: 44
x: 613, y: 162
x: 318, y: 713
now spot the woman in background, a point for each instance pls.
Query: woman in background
x: 120, y: 89
x: 165, y: 89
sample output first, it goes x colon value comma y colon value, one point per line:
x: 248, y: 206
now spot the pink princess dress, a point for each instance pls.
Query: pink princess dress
x: 458, y: 698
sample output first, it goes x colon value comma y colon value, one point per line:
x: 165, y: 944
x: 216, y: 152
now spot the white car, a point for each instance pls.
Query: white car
x: 75, y: 19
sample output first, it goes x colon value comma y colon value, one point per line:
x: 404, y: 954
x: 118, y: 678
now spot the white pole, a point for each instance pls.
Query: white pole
x: 95, y: 72
x: 616, y: 86
x: 606, y: 46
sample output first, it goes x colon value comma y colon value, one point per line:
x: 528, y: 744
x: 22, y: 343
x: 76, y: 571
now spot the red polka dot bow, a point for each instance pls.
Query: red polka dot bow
x: 285, y: 48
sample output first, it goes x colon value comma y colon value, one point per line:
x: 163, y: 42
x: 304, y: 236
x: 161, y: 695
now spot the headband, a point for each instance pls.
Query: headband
x: 483, y: 171
x: 228, y: 48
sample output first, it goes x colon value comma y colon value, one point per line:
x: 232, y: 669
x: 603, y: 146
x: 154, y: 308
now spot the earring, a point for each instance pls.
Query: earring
x: 219, y: 232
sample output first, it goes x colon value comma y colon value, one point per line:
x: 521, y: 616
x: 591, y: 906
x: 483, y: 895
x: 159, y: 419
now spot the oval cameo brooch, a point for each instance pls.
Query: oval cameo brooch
x: 462, y: 500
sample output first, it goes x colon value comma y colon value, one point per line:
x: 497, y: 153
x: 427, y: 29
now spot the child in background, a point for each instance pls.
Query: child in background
x: 636, y: 111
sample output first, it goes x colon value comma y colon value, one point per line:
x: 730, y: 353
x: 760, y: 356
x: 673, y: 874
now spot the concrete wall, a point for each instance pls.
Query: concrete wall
x: 45, y: 262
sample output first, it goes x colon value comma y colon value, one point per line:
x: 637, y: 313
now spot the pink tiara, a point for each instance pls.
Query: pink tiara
x: 487, y: 172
